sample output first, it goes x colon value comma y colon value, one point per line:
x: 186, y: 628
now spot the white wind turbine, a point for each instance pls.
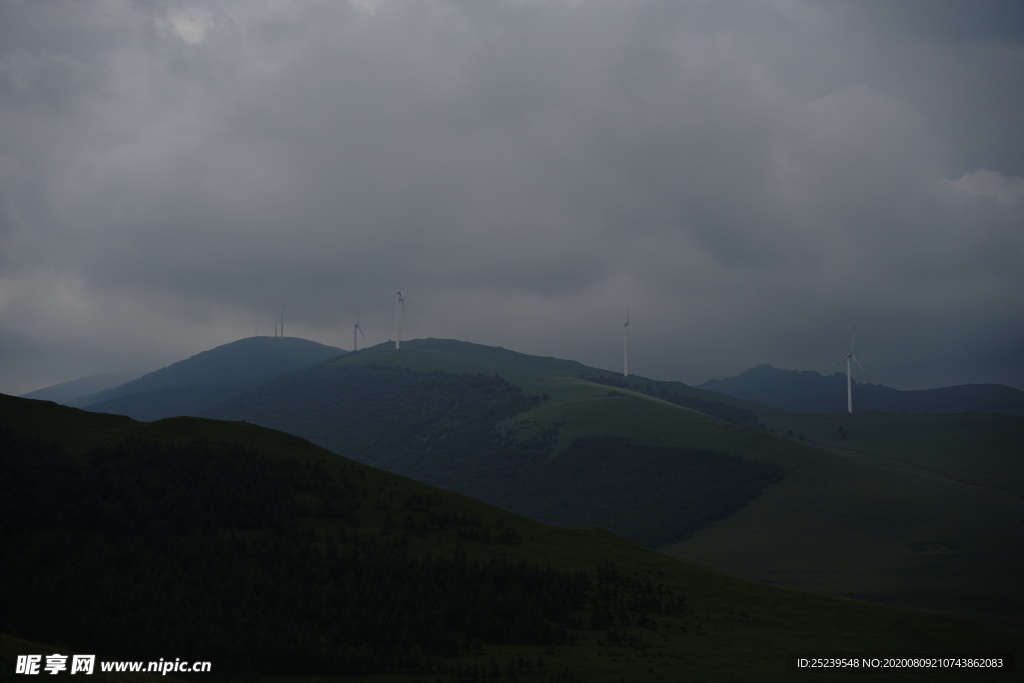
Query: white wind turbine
x: 849, y: 380
x: 356, y: 329
x: 279, y: 326
x: 399, y: 315
x: 625, y: 345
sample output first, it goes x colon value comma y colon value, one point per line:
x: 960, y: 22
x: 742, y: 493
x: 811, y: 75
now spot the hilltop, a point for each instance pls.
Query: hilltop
x: 806, y: 391
x: 287, y: 561
x: 188, y: 386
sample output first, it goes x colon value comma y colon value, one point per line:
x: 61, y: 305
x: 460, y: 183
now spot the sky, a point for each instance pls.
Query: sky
x: 752, y: 180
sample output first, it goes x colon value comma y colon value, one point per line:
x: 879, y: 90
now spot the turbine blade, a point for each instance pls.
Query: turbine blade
x: 859, y: 365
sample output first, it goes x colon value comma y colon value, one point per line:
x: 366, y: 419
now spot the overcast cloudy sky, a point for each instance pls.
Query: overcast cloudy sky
x: 753, y: 178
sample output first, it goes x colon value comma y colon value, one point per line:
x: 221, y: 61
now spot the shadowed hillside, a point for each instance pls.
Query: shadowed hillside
x: 443, y: 429
x: 701, y: 475
x: 188, y: 386
x: 268, y: 556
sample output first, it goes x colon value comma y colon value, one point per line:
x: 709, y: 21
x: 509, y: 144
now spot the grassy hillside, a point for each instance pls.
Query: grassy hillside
x: 584, y: 401
x: 889, y: 536
x: 832, y: 523
x: 913, y: 510
x: 188, y: 386
x: 267, y: 555
x: 978, y: 448
x: 536, y: 374
x: 573, y: 465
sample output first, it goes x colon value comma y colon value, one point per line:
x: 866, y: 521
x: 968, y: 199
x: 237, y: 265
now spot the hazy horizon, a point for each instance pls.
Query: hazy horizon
x: 128, y: 376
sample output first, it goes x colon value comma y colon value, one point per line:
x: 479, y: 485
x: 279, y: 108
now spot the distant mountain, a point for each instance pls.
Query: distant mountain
x: 274, y: 559
x: 807, y: 391
x: 67, y: 392
x: 188, y: 386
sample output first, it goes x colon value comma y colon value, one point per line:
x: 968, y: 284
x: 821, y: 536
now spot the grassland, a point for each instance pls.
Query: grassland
x: 729, y: 629
x: 574, y: 407
x: 922, y: 511
x: 977, y: 448
x: 912, y: 510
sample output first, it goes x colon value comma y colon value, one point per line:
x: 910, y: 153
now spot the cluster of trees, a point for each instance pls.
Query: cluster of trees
x: 219, y: 552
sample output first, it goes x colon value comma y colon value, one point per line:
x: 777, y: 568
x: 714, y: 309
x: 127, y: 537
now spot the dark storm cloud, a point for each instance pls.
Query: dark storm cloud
x: 755, y: 179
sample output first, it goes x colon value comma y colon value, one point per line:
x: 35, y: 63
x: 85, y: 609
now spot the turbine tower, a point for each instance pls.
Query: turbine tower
x: 625, y: 345
x: 849, y: 380
x: 355, y: 330
x: 282, y: 321
x: 399, y: 314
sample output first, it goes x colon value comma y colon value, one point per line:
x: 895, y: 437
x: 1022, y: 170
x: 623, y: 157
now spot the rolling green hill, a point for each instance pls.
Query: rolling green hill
x: 188, y: 386
x: 277, y: 560
x: 813, y: 518
x: 483, y: 436
x: 922, y: 510
x: 983, y: 449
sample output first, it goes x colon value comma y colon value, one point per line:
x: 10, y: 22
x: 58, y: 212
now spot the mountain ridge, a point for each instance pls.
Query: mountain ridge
x: 187, y: 386
x: 807, y: 391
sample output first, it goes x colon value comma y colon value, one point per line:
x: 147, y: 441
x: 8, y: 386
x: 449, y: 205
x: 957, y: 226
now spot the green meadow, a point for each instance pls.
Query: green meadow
x: 901, y: 509
x: 644, y: 616
x: 977, y: 448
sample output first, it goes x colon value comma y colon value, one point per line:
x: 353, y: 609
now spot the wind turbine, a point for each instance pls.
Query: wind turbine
x: 849, y: 380
x: 625, y: 345
x: 399, y: 314
x: 359, y: 330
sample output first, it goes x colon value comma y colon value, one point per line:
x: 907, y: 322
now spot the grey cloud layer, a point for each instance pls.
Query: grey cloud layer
x: 754, y: 178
